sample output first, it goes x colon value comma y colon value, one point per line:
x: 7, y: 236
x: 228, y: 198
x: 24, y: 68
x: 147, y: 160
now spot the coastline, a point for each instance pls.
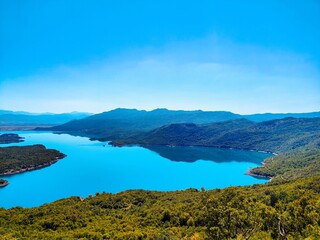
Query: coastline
x: 6, y: 183
x: 261, y: 176
x: 249, y: 173
x: 22, y: 170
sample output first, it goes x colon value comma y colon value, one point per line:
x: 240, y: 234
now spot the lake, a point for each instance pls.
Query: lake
x: 92, y: 167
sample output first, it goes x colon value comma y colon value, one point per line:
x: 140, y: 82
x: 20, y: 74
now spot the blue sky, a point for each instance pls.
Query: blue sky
x: 241, y: 56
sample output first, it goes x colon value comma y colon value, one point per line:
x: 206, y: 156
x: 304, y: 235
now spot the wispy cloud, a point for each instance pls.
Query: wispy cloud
x: 210, y: 74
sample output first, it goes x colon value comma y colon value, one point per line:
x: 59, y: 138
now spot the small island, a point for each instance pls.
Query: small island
x: 3, y: 183
x: 10, y: 138
x: 20, y: 159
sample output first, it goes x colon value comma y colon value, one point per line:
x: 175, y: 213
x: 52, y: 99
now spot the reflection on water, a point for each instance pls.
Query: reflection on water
x: 192, y: 154
x: 92, y: 167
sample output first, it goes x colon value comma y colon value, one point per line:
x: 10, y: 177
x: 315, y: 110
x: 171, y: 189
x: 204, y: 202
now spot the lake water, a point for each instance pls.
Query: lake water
x: 91, y: 167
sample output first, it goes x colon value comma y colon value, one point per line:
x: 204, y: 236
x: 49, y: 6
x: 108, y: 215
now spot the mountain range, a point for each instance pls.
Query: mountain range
x: 273, y: 136
x: 26, y: 120
x: 124, y: 122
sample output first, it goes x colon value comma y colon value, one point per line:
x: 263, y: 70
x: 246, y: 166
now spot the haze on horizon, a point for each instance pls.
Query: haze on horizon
x: 93, y: 56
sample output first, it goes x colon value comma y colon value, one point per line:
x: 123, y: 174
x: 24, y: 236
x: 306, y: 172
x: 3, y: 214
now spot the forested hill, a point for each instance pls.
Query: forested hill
x: 274, y: 136
x: 114, y: 123
x: 269, y: 211
x: 123, y: 122
x: 261, y: 117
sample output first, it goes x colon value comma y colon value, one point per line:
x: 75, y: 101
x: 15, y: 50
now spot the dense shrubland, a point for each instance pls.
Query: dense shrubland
x: 271, y: 211
x: 21, y: 158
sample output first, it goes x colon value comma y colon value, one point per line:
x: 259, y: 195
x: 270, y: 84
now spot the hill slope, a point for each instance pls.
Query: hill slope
x: 120, y: 122
x: 124, y: 122
x: 274, y: 136
x: 269, y: 211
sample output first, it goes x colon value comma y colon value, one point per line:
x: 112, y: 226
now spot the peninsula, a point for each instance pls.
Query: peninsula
x: 26, y: 158
x: 3, y: 183
x: 20, y: 159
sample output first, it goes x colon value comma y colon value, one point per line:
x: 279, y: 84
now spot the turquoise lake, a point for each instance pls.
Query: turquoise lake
x: 92, y: 167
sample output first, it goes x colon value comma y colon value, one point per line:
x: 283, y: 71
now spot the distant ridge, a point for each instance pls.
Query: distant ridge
x: 260, y: 117
x: 121, y: 121
x: 23, y: 119
x: 272, y: 136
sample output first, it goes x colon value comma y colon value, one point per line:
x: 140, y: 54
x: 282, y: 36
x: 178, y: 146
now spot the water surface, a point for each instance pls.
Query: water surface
x: 92, y: 167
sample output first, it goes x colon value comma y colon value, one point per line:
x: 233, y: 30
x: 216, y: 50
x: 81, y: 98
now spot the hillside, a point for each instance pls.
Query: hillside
x: 123, y: 122
x: 297, y: 141
x: 120, y: 123
x: 291, y: 165
x: 273, y: 136
x: 269, y: 211
x: 261, y: 117
x: 25, y: 158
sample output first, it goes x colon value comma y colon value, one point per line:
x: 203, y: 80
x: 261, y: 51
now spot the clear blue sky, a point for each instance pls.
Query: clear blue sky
x: 96, y: 55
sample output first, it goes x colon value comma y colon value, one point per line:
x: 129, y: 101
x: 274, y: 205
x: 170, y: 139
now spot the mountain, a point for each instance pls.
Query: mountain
x: 274, y: 136
x: 120, y: 122
x: 261, y: 117
x: 124, y: 122
x: 24, y: 119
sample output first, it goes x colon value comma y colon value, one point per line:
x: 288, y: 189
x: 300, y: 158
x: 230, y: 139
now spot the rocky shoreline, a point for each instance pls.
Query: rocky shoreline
x: 258, y: 175
x: 3, y: 183
x: 31, y: 168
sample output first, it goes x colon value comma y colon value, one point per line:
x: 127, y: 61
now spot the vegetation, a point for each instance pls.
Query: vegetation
x: 123, y: 123
x: 288, y: 207
x: 3, y: 183
x: 24, y: 158
x: 270, y: 211
x: 10, y: 138
x: 291, y: 165
x: 273, y: 136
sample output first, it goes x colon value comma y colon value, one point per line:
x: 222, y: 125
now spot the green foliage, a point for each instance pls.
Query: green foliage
x: 291, y: 165
x: 233, y: 213
x: 23, y: 158
x: 124, y: 122
x: 3, y: 183
x: 272, y: 136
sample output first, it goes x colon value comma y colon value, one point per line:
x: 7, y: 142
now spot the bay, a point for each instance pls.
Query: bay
x: 92, y: 167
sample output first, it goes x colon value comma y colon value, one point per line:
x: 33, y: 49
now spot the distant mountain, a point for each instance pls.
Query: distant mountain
x: 275, y: 135
x: 118, y: 122
x: 9, y: 118
x: 272, y: 116
x: 123, y: 123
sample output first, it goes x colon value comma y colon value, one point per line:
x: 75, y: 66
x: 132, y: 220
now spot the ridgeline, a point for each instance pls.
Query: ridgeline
x: 287, y: 207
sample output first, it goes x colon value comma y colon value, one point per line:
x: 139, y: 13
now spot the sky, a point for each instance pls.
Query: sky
x: 92, y: 56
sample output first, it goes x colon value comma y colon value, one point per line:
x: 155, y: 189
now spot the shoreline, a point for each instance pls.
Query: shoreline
x: 110, y: 142
x: 6, y: 183
x: 22, y: 170
x: 249, y: 173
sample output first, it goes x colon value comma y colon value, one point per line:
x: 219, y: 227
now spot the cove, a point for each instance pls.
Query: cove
x: 92, y: 167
